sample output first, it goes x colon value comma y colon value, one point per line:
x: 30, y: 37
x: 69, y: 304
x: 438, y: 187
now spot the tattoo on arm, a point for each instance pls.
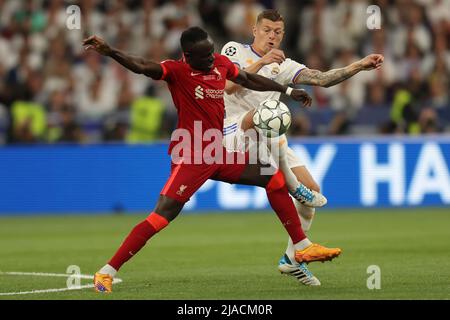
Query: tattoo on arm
x: 325, y: 79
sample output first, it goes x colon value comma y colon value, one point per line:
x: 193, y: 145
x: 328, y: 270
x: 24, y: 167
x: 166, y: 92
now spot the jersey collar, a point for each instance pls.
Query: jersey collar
x: 254, y: 51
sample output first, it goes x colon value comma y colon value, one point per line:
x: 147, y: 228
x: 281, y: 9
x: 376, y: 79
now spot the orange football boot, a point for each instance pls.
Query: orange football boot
x: 103, y: 283
x: 316, y: 252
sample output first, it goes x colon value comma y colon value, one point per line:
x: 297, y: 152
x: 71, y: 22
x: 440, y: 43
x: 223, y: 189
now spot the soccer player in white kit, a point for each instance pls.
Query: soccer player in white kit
x: 264, y: 57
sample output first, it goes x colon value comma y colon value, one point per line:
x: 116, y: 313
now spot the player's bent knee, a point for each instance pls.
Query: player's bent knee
x: 276, y: 182
x: 168, y: 207
x: 157, y: 221
x: 247, y: 122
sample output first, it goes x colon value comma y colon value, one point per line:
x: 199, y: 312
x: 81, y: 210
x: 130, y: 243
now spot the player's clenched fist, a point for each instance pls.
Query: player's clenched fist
x: 97, y: 44
x: 372, y: 61
x: 301, y: 95
x: 274, y: 55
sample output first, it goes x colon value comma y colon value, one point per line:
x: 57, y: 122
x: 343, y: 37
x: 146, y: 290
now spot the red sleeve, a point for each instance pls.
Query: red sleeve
x: 232, y: 69
x: 167, y: 67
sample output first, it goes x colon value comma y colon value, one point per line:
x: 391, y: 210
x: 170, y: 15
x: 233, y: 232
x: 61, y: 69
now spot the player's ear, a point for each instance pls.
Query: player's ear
x: 254, y: 29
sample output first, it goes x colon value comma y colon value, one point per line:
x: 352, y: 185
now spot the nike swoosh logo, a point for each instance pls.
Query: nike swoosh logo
x: 195, y: 74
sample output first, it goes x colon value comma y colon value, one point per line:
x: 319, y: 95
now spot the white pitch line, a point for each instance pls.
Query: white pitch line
x: 41, y: 274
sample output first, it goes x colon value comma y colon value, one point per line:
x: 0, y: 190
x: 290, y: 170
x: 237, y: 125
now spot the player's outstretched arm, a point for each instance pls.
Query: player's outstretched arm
x: 256, y: 82
x: 332, y: 77
x: 135, y: 64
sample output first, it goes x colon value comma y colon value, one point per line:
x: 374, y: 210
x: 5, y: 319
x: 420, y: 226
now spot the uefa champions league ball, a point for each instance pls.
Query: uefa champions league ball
x: 272, y: 118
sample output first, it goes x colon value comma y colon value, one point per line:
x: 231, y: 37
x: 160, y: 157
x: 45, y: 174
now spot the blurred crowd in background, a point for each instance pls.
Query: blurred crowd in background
x: 51, y: 90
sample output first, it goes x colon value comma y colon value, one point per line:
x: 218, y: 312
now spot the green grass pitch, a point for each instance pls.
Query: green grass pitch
x: 233, y: 255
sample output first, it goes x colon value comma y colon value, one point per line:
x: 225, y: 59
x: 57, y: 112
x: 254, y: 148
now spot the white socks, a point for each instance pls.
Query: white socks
x: 107, y: 269
x: 305, y: 243
x: 291, y: 180
x: 306, y: 215
x: 291, y: 248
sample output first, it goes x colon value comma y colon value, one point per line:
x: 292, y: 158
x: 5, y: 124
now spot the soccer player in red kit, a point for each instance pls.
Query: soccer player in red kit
x: 197, y: 83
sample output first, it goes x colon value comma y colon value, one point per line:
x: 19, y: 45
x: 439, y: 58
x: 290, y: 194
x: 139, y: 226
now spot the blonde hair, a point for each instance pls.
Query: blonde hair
x: 270, y: 14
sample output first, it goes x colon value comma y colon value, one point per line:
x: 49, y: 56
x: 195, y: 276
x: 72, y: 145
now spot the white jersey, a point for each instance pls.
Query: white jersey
x: 243, y: 56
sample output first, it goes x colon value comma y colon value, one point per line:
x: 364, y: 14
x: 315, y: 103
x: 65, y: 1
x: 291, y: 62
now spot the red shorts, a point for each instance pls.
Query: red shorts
x: 186, y: 179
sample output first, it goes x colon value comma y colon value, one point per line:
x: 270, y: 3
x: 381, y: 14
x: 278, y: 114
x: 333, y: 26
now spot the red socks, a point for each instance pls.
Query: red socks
x: 281, y: 202
x: 137, y: 239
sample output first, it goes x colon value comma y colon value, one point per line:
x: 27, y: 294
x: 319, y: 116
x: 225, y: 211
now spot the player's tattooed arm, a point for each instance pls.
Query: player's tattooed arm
x: 325, y: 79
x: 135, y: 64
x: 256, y: 82
x: 335, y: 76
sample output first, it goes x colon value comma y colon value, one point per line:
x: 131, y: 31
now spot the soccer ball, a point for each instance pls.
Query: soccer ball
x: 272, y: 118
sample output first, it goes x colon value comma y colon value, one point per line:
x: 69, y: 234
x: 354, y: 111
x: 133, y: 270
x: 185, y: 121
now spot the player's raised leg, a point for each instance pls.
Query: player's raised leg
x: 279, y: 148
x: 304, y: 176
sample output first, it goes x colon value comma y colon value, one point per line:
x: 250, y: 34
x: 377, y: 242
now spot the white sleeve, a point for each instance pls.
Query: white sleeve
x: 291, y: 69
x: 233, y: 51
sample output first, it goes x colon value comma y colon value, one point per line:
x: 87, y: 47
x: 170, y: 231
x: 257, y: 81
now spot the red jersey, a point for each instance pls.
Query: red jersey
x: 198, y: 96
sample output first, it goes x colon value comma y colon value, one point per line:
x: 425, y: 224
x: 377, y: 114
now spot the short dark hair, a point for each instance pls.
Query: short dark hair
x: 191, y: 36
x: 270, y: 14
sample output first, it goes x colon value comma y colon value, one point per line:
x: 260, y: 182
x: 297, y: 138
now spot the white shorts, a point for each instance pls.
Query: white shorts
x: 233, y: 140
